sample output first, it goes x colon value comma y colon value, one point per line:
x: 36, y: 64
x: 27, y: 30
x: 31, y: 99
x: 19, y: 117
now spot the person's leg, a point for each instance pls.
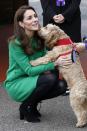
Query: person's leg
x: 44, y: 84
x: 67, y: 91
x: 59, y: 89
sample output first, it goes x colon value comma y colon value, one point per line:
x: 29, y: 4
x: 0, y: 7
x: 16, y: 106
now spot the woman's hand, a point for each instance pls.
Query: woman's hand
x: 63, y: 61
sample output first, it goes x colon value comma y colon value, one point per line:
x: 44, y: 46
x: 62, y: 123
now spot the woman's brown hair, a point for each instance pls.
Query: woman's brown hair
x: 20, y: 33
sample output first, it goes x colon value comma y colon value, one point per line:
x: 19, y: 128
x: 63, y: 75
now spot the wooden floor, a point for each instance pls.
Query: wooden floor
x: 5, y: 32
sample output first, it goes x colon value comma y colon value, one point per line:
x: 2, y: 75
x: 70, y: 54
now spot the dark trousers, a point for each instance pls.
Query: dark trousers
x: 48, y: 86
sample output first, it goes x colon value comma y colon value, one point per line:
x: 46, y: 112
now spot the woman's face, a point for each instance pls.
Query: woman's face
x: 30, y: 22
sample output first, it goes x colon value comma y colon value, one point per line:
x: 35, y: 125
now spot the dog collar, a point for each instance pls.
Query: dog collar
x: 65, y: 41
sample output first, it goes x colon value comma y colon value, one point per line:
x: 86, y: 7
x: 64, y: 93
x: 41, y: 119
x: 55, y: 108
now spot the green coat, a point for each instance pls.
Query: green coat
x: 21, y: 76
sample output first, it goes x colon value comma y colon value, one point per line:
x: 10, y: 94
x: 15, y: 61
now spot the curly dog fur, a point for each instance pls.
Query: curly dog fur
x: 72, y: 73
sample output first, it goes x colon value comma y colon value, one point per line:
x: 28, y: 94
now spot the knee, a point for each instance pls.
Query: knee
x: 63, y: 85
x: 51, y: 79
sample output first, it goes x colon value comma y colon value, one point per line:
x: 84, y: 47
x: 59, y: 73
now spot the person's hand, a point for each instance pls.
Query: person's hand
x: 59, y: 18
x: 55, y: 18
x: 63, y: 61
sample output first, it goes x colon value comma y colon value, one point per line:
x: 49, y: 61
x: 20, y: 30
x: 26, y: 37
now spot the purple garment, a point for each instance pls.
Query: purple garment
x: 60, y: 2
